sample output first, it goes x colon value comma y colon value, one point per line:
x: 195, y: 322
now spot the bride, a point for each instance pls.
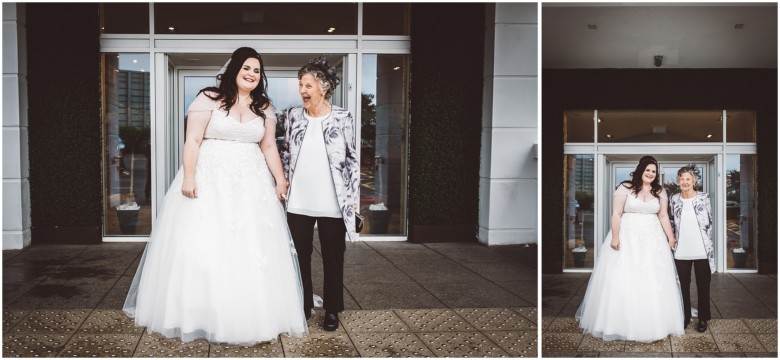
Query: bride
x: 633, y: 293
x: 220, y: 264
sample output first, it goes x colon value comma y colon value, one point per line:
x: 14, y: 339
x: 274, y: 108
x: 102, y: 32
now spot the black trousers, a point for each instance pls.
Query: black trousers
x: 332, y: 246
x: 703, y: 276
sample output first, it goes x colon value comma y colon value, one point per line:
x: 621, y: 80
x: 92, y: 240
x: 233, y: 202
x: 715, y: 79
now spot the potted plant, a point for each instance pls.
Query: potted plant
x: 378, y: 218
x: 127, y: 214
x: 740, y: 257
x: 579, y: 252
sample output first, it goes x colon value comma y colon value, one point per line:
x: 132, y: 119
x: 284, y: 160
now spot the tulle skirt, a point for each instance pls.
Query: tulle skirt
x: 633, y: 293
x: 221, y: 267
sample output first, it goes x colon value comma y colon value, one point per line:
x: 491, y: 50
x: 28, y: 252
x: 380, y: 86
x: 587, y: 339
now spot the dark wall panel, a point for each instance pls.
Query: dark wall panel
x: 63, y: 62
x: 445, y: 121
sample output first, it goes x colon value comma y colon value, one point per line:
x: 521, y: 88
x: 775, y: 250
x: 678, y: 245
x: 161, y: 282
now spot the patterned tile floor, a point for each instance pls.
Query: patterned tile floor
x: 402, y: 300
x: 744, y: 324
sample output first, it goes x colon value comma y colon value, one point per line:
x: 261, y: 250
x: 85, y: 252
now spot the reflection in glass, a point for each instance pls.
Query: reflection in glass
x: 578, y: 126
x: 384, y: 119
x: 385, y: 19
x: 256, y: 18
x: 578, y: 244
x: 127, y: 155
x: 741, y: 126
x: 740, y: 211
x: 660, y: 126
x: 124, y: 18
x: 669, y: 178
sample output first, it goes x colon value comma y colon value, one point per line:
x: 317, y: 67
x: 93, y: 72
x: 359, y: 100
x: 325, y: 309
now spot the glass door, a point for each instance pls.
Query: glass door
x: 621, y: 167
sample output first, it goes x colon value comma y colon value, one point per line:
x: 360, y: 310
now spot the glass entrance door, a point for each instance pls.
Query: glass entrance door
x: 620, y: 168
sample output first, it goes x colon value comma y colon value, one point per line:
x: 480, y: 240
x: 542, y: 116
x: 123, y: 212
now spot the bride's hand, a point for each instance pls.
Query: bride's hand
x: 189, y: 189
x: 615, y: 244
x: 672, y: 244
x: 281, y: 190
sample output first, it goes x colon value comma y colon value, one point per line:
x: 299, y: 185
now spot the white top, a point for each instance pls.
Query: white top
x: 312, y: 190
x: 690, y: 245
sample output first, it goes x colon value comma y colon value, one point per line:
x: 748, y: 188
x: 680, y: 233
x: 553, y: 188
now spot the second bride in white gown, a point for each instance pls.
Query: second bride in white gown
x: 220, y: 263
x: 633, y: 293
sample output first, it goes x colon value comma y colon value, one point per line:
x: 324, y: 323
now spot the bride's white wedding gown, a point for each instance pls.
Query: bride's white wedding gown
x: 221, y: 267
x: 633, y: 293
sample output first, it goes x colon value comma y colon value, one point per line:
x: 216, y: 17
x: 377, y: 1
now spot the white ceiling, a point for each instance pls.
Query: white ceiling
x: 628, y: 35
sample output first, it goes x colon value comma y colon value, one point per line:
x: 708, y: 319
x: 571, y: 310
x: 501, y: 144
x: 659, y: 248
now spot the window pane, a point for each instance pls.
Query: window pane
x: 123, y: 18
x: 383, y: 147
x: 127, y: 154
x: 660, y: 126
x: 578, y: 125
x: 578, y: 243
x: 741, y: 211
x: 256, y: 18
x: 740, y: 126
x: 385, y: 19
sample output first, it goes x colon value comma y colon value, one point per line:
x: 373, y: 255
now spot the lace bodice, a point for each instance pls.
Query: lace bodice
x: 636, y: 205
x: 223, y: 126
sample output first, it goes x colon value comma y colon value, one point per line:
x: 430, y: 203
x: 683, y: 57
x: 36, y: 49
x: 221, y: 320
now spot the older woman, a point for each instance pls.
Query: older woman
x: 321, y: 165
x: 692, y: 216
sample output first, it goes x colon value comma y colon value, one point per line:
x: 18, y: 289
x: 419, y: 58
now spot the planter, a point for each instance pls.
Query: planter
x: 127, y: 221
x: 579, y: 258
x: 740, y: 259
x: 378, y: 220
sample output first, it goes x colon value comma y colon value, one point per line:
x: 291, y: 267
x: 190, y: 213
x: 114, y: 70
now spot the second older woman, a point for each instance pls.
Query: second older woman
x: 692, y: 216
x: 322, y: 167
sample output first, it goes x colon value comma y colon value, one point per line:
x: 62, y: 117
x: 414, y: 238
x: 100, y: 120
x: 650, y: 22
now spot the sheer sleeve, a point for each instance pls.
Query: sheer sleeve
x: 270, y: 114
x: 621, y: 191
x: 202, y: 103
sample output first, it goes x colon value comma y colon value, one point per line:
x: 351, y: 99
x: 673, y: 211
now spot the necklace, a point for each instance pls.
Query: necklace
x: 324, y: 110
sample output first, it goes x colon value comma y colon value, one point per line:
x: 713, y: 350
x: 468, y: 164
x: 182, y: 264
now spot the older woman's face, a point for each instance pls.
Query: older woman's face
x: 249, y: 76
x: 686, y: 181
x: 649, y: 174
x: 311, y: 92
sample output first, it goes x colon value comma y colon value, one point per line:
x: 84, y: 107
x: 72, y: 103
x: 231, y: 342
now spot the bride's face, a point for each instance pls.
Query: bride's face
x: 249, y: 76
x: 649, y: 174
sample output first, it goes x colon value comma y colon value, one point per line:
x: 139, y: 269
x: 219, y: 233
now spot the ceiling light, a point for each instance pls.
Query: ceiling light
x: 592, y: 26
x: 599, y: 119
x: 397, y: 68
x: 709, y: 136
x: 192, y: 59
x: 609, y: 136
x: 171, y: 28
x: 331, y: 29
x: 135, y: 61
x: 739, y: 26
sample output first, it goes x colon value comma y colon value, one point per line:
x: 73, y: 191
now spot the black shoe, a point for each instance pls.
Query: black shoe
x: 702, y: 326
x: 331, y: 322
x: 686, y: 322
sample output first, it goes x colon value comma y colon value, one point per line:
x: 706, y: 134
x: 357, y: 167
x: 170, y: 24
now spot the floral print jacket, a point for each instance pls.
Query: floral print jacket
x: 338, y: 132
x: 703, y: 210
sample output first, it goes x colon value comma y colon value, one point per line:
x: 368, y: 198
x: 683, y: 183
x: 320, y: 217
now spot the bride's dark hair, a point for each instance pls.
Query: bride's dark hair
x: 635, y: 184
x: 227, y: 90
